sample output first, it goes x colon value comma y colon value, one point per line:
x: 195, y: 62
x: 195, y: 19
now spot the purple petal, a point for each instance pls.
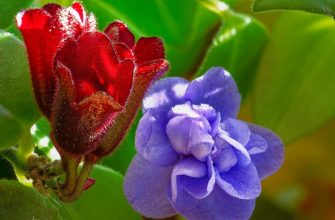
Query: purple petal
x: 238, y: 130
x: 151, y: 141
x: 225, y: 159
x: 217, y: 89
x: 188, y: 135
x: 223, y: 138
x: 271, y: 160
x: 240, y: 182
x: 194, y: 176
x: 200, y: 187
x: 145, y: 187
x: 256, y: 144
x: 217, y: 206
x: 165, y: 93
x: 184, y: 109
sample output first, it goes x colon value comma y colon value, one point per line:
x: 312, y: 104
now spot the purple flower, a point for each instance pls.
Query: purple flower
x: 194, y: 157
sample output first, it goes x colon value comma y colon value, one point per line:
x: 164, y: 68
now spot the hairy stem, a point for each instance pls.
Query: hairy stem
x: 81, y: 180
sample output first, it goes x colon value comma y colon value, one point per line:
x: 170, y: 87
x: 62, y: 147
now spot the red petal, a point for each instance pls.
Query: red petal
x: 52, y: 9
x: 78, y: 128
x: 80, y: 10
x: 41, y: 43
x: 95, y: 67
x: 123, y: 81
x: 145, y: 76
x: 148, y: 49
x: 123, y: 52
x: 43, y: 31
x: 119, y: 32
x: 89, y: 183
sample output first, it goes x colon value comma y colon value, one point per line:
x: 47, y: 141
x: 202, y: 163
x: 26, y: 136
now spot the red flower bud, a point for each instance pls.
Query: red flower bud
x: 88, y: 84
x: 44, y: 30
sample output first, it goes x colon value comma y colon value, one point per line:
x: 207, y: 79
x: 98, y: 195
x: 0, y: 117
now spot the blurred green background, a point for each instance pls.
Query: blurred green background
x: 283, y: 63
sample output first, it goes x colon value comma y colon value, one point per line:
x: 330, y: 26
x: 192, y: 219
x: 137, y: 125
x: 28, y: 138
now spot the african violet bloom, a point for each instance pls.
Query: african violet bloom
x: 194, y: 157
x: 88, y: 84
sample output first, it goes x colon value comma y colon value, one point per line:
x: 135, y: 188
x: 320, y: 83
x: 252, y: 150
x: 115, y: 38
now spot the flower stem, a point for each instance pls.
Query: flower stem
x: 71, y: 167
x: 81, y: 180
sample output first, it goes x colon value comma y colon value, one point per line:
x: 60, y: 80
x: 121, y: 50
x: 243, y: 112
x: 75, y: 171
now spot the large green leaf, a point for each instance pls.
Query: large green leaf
x: 294, y: 93
x: 21, y: 202
x: 8, y: 10
x: 326, y: 7
x: 17, y: 106
x: 105, y: 199
x: 10, y: 130
x: 237, y: 47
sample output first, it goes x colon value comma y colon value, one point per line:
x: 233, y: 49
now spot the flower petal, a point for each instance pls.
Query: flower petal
x: 43, y: 31
x: 41, y: 46
x: 200, y: 187
x: 119, y: 32
x: 256, y: 144
x: 240, y: 182
x: 271, y: 160
x: 148, y: 49
x: 145, y: 186
x: 152, y: 142
x: 238, y: 130
x: 225, y: 158
x: 223, y: 139
x: 217, y: 89
x: 145, y: 75
x: 86, y: 121
x: 191, y: 173
x: 217, y: 206
x: 165, y: 94
x: 95, y: 67
x: 188, y: 135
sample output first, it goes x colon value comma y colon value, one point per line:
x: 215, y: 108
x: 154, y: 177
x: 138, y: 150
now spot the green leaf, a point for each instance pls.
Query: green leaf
x: 20, y: 202
x: 186, y: 33
x: 9, y: 9
x: 237, y: 47
x: 326, y: 7
x: 15, y: 85
x: 294, y: 93
x: 17, y: 106
x: 105, y: 199
x: 10, y: 130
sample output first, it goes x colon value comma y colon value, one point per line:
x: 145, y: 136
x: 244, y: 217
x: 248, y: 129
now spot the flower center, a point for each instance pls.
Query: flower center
x: 190, y: 129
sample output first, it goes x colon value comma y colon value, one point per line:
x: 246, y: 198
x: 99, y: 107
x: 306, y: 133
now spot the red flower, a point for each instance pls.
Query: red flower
x: 88, y: 84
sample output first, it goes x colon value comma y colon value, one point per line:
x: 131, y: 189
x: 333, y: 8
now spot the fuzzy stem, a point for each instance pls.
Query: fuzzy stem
x: 71, y: 167
x: 85, y: 172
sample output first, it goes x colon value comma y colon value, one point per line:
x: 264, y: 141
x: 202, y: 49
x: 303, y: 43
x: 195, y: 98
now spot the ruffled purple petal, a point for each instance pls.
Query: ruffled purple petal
x: 145, y: 187
x: 193, y: 175
x: 223, y: 139
x: 240, y: 182
x: 188, y: 135
x: 217, y: 89
x: 165, y: 93
x: 152, y: 143
x: 217, y: 206
x: 225, y: 159
x: 256, y: 144
x: 271, y: 160
x: 200, y: 187
x: 238, y: 130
